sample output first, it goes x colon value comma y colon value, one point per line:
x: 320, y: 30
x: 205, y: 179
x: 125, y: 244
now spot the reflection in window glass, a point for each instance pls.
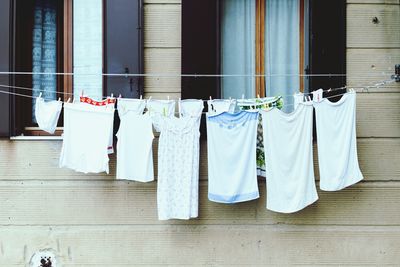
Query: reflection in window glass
x: 88, y: 48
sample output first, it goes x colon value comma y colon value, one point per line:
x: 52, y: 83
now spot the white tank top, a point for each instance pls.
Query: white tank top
x: 337, y: 143
x: 135, y: 142
x: 289, y: 158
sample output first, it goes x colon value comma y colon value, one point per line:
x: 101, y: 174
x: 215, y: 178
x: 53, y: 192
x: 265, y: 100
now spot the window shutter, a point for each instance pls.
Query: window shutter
x: 328, y: 43
x: 5, y: 99
x: 123, y: 46
x: 200, y: 48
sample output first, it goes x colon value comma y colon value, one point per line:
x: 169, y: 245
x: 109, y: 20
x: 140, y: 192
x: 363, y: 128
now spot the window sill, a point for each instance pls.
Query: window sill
x: 36, y: 138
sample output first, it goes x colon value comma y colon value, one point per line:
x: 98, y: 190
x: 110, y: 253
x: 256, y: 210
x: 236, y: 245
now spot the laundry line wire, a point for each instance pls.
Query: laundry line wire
x: 174, y: 75
x: 286, y: 105
x: 366, y: 87
x: 177, y: 75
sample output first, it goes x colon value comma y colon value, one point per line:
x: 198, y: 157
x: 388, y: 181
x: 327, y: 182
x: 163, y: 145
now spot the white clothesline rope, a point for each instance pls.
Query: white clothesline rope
x: 366, y: 87
x: 285, y: 105
x: 362, y: 88
x: 173, y: 75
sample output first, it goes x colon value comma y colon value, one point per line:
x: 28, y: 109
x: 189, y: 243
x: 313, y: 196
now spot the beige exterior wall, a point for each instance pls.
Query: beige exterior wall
x: 92, y: 220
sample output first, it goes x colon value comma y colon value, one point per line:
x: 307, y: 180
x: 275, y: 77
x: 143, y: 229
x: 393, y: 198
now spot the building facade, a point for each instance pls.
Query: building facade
x: 93, y: 220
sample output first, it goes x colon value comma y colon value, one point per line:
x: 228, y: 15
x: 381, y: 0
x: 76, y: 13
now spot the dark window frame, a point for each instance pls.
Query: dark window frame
x: 18, y: 107
x: 201, y: 45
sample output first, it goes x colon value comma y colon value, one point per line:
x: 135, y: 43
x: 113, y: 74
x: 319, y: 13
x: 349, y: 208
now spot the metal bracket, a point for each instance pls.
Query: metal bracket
x: 396, y: 76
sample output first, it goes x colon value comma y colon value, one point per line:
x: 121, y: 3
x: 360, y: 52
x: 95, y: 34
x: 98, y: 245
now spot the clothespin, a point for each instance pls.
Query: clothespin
x: 309, y: 98
x: 141, y: 97
x: 40, y: 94
x: 120, y: 96
x: 59, y: 99
x: 168, y: 97
x: 150, y: 98
x: 82, y: 93
x: 242, y: 96
x: 210, y: 98
x: 69, y: 100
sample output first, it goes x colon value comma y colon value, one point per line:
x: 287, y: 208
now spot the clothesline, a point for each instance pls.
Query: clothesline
x: 33, y: 97
x: 286, y: 105
x: 160, y: 75
x: 366, y: 87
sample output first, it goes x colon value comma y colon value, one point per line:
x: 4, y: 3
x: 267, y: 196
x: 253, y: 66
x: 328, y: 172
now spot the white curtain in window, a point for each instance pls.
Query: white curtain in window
x: 238, y: 47
x: 88, y: 48
x: 44, y: 51
x: 282, y: 56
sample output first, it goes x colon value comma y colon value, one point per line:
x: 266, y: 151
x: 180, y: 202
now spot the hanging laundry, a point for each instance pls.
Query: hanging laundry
x: 318, y: 95
x: 176, y: 156
x: 232, y: 168
x: 86, y: 135
x: 191, y: 108
x: 298, y: 98
x: 47, y: 114
x: 258, y: 104
x: 135, y: 142
x: 106, y: 103
x: 289, y: 168
x: 217, y: 106
x: 337, y: 142
x: 165, y: 108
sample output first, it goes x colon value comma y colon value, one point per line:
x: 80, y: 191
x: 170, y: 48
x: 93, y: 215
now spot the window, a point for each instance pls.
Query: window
x: 262, y: 37
x: 84, y: 37
x: 281, y: 39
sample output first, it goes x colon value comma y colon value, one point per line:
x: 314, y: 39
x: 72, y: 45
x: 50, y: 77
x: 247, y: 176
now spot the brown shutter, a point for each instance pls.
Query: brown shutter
x: 5, y: 52
x: 200, y: 48
x: 123, y: 46
x: 328, y: 43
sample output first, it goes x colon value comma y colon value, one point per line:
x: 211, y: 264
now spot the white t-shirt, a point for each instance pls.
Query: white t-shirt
x: 86, y: 136
x: 289, y: 168
x: 135, y: 142
x: 108, y: 103
x: 176, y: 156
x: 232, y: 168
x: 47, y: 114
x: 217, y: 106
x: 337, y: 143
